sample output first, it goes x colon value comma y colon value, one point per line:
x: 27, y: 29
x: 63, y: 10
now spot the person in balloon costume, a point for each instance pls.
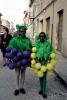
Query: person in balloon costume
x: 18, y: 55
x: 43, y: 59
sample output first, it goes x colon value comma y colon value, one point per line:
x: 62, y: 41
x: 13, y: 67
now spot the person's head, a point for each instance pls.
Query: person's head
x: 5, y: 30
x: 42, y: 36
x: 22, y: 30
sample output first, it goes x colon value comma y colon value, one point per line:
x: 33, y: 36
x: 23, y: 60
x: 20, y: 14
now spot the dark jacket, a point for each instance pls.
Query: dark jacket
x: 5, y: 41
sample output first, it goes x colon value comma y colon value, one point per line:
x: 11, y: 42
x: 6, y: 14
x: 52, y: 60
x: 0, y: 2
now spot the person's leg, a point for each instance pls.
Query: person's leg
x: 17, y: 71
x: 22, y: 79
x: 41, y: 85
x: 4, y: 59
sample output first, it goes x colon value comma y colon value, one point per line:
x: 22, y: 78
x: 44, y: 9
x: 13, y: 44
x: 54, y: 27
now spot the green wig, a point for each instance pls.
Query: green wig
x: 17, y: 26
x: 21, y: 27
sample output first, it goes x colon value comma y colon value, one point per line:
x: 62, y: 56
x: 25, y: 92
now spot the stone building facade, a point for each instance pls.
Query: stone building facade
x: 49, y: 16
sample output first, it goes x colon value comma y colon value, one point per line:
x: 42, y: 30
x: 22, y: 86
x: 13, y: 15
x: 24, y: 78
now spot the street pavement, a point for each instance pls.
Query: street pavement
x: 0, y: 59
x: 55, y: 90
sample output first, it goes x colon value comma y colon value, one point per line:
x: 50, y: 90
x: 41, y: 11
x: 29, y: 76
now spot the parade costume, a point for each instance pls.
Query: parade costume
x: 18, y: 54
x: 41, y: 54
x: 19, y: 49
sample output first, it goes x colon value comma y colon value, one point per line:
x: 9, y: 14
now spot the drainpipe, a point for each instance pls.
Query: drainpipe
x: 33, y: 17
x: 52, y: 25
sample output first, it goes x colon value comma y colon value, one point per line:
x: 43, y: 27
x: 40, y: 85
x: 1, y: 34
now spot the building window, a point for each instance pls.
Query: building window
x: 60, y: 29
x: 48, y: 25
x: 41, y: 25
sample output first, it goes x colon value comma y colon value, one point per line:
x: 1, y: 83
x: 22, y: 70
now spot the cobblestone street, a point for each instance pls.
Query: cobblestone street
x: 55, y: 90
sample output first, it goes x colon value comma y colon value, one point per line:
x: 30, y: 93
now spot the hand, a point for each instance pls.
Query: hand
x: 48, y: 61
x: 4, y: 42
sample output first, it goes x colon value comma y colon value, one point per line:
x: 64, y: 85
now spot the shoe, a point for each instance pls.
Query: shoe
x: 4, y: 65
x: 22, y: 91
x: 44, y: 96
x: 16, y: 92
x: 40, y: 92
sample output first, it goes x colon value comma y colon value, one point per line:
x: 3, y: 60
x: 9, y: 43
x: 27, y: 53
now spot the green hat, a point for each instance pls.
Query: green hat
x: 17, y: 26
x: 21, y: 27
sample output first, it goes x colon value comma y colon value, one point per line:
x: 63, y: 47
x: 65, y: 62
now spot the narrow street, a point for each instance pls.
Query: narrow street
x: 33, y: 32
x: 55, y: 90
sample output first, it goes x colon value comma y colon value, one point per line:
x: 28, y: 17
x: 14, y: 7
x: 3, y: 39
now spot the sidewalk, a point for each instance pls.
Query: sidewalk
x: 61, y: 69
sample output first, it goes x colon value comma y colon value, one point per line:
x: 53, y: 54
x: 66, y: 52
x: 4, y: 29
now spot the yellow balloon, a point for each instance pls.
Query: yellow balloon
x: 49, y: 66
x: 40, y: 74
x: 33, y: 66
x: 50, y: 73
x: 38, y: 66
x: 33, y: 55
x: 43, y: 68
x: 35, y: 71
x: 34, y: 49
x: 33, y: 62
x: 53, y: 55
x: 53, y: 62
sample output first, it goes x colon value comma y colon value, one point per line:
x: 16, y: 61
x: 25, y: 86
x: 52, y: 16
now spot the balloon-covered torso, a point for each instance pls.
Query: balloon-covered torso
x: 43, y: 49
x: 18, y: 52
x: 43, y: 57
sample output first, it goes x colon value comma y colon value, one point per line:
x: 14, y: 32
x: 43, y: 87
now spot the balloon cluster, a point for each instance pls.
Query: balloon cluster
x: 41, y: 69
x: 17, y: 59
